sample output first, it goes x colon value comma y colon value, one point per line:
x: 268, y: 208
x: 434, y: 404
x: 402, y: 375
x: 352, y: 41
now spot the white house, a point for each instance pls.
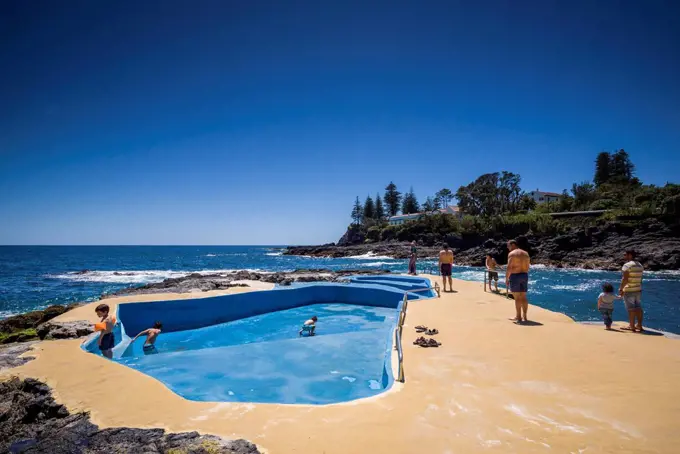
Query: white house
x: 540, y: 196
x: 400, y: 219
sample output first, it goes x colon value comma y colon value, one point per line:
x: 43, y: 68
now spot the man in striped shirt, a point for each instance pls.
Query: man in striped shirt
x: 631, y: 290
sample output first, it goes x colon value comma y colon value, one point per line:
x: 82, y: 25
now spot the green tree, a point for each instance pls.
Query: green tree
x: 428, y: 205
x: 436, y: 203
x: 584, y: 195
x: 379, y: 211
x: 602, y: 168
x: 392, y: 199
x: 369, y: 208
x: 621, y: 167
x: 357, y: 212
x: 492, y: 194
x: 410, y: 204
x: 444, y: 196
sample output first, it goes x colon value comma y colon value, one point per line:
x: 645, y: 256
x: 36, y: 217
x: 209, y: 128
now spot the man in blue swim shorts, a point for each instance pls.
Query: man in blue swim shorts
x: 517, y: 279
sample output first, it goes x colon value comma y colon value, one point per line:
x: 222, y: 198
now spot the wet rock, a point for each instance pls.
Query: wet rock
x: 64, y: 330
x: 34, y: 423
x: 10, y: 356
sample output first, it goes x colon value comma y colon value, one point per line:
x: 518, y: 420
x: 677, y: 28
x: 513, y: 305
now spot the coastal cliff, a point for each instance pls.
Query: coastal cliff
x: 591, y: 245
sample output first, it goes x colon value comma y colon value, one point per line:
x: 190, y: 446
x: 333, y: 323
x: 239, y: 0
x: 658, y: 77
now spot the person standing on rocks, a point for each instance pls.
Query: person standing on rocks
x: 412, y: 260
x: 631, y: 290
x: 517, y: 279
x: 445, y: 266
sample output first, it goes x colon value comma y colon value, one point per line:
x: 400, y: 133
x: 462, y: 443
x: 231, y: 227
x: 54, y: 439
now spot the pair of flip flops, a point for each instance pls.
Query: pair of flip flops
x: 422, y: 342
x: 429, y: 332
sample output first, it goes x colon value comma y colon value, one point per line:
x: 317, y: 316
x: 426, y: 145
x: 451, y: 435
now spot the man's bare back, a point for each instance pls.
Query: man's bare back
x: 518, y: 261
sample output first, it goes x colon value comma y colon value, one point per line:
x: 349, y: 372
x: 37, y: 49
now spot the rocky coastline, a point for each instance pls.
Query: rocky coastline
x: 599, y: 247
x: 34, y: 423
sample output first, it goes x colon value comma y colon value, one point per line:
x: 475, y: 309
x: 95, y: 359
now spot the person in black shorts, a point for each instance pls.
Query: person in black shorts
x: 491, y: 266
x: 445, y: 266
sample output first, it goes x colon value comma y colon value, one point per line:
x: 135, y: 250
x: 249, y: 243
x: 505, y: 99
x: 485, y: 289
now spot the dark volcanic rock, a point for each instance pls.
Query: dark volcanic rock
x: 33, y: 423
x: 10, y: 356
x: 33, y: 319
x: 593, y: 247
x: 199, y: 282
x: 64, y: 330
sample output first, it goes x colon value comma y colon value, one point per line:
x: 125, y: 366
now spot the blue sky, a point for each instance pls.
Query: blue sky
x: 231, y: 122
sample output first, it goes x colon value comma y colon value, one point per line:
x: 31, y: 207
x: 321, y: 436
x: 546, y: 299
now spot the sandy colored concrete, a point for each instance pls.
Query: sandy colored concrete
x: 492, y: 386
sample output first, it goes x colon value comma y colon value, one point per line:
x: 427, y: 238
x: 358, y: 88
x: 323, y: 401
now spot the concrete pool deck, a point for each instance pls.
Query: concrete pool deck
x: 555, y: 386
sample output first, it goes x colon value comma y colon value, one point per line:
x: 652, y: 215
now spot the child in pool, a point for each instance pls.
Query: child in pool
x: 151, y: 336
x: 605, y: 304
x: 309, y: 326
x: 105, y: 326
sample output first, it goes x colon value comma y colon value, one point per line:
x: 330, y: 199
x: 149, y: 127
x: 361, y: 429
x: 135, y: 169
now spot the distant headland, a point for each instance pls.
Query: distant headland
x: 587, y: 227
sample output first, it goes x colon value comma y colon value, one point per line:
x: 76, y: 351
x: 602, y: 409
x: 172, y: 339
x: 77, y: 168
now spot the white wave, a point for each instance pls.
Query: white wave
x: 370, y: 256
x: 378, y: 263
x: 274, y: 254
x: 211, y: 255
x: 580, y: 287
x: 140, y: 277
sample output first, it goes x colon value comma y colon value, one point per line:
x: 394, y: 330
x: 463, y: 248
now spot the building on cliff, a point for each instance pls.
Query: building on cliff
x: 400, y: 219
x: 541, y: 196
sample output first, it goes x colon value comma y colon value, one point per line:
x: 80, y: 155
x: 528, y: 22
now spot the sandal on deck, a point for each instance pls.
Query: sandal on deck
x: 433, y: 343
x: 421, y: 328
x: 432, y: 332
x: 421, y: 341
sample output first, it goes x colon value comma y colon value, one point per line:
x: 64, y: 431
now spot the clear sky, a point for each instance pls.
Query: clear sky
x: 255, y: 122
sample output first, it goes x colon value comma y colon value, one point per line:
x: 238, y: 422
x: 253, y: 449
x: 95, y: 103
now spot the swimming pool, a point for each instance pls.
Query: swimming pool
x: 246, y: 348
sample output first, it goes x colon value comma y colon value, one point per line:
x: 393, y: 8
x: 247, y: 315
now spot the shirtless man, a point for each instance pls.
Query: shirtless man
x: 491, y: 266
x: 517, y: 279
x: 445, y: 265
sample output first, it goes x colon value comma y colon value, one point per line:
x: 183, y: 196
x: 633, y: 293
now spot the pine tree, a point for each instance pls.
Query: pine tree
x: 410, y: 203
x: 379, y: 211
x: 444, y: 196
x: 428, y: 206
x: 621, y: 168
x: 392, y: 199
x: 369, y: 208
x: 357, y: 212
x: 602, y: 168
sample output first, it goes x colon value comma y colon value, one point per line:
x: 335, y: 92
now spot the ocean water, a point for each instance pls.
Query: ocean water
x: 33, y: 277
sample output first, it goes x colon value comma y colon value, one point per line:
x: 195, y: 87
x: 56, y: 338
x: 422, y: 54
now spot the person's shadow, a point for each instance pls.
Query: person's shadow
x: 527, y: 323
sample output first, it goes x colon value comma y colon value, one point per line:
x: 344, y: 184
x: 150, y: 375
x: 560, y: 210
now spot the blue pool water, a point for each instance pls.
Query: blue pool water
x: 262, y: 358
x: 35, y: 276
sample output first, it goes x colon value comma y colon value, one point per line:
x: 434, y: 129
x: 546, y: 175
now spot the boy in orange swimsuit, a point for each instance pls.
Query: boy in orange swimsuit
x: 106, y: 340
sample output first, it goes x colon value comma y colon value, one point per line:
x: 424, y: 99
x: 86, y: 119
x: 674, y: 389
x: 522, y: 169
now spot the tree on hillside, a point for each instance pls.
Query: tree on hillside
x: 428, y: 205
x: 621, y: 167
x: 491, y: 194
x: 369, y: 209
x: 602, y: 168
x: 357, y: 212
x: 436, y: 203
x: 379, y: 212
x: 410, y: 204
x: 584, y: 195
x: 392, y: 199
x: 444, y: 196
x: 509, y: 192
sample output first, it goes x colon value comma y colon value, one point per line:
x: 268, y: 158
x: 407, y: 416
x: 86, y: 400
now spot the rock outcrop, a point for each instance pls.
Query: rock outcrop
x: 64, y: 330
x: 11, y: 356
x: 595, y: 247
x: 24, y: 327
x: 196, y: 282
x: 33, y: 423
